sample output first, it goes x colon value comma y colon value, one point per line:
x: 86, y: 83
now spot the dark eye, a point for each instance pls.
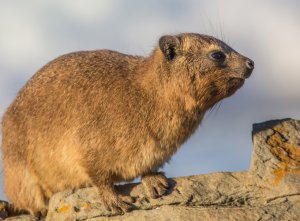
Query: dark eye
x: 217, y: 56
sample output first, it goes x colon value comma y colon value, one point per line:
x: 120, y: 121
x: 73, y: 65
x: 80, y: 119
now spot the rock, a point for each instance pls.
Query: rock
x: 216, y: 213
x: 276, y: 157
x: 8, y: 212
x: 3, y: 209
x: 22, y: 218
x: 270, y: 190
x: 193, y: 191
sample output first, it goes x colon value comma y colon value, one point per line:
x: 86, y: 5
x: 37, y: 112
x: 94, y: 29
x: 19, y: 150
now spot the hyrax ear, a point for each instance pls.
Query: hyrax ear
x: 169, y: 46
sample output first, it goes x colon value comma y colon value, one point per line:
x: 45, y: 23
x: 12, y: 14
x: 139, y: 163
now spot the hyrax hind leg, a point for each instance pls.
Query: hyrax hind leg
x: 23, y: 190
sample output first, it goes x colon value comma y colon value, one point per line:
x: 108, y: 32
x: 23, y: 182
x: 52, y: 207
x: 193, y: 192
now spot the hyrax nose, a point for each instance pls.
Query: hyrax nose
x: 250, y: 64
x: 249, y: 67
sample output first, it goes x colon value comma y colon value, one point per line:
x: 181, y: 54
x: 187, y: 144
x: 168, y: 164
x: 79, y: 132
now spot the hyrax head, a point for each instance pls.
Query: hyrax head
x: 209, y: 68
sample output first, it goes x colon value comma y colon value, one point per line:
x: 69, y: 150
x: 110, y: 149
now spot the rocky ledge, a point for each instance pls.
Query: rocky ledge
x: 270, y: 190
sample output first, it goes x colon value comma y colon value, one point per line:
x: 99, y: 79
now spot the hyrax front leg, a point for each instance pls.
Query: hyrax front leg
x: 155, y: 183
x: 113, y: 201
x: 110, y: 198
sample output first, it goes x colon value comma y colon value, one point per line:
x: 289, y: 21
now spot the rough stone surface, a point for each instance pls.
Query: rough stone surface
x: 22, y: 218
x: 8, y: 212
x: 276, y: 156
x: 269, y: 191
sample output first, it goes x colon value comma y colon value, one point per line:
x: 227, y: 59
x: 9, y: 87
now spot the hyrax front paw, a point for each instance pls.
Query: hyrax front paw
x: 115, y: 203
x: 156, y: 184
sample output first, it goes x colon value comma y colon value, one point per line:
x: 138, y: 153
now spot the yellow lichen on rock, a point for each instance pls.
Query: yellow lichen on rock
x: 287, y: 153
x: 86, y: 206
x: 64, y: 208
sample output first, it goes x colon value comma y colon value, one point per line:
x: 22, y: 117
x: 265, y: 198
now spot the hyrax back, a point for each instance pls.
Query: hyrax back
x: 101, y: 117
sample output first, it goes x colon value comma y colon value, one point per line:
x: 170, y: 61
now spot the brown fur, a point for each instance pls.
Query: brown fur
x: 101, y: 117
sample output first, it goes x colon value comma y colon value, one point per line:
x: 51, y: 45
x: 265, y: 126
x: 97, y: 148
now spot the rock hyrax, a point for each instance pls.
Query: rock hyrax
x: 96, y: 118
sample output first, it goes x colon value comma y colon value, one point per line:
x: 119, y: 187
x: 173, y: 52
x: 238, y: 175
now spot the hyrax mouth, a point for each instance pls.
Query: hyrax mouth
x: 235, y: 83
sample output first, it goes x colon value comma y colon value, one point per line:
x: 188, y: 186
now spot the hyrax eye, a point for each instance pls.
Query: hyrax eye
x: 217, y: 56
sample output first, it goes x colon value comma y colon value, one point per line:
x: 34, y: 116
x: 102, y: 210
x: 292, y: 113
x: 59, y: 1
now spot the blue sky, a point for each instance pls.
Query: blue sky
x: 35, y: 32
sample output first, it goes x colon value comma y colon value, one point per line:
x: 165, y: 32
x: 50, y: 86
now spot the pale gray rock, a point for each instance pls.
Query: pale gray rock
x: 276, y: 156
x: 22, y: 218
x: 269, y: 191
